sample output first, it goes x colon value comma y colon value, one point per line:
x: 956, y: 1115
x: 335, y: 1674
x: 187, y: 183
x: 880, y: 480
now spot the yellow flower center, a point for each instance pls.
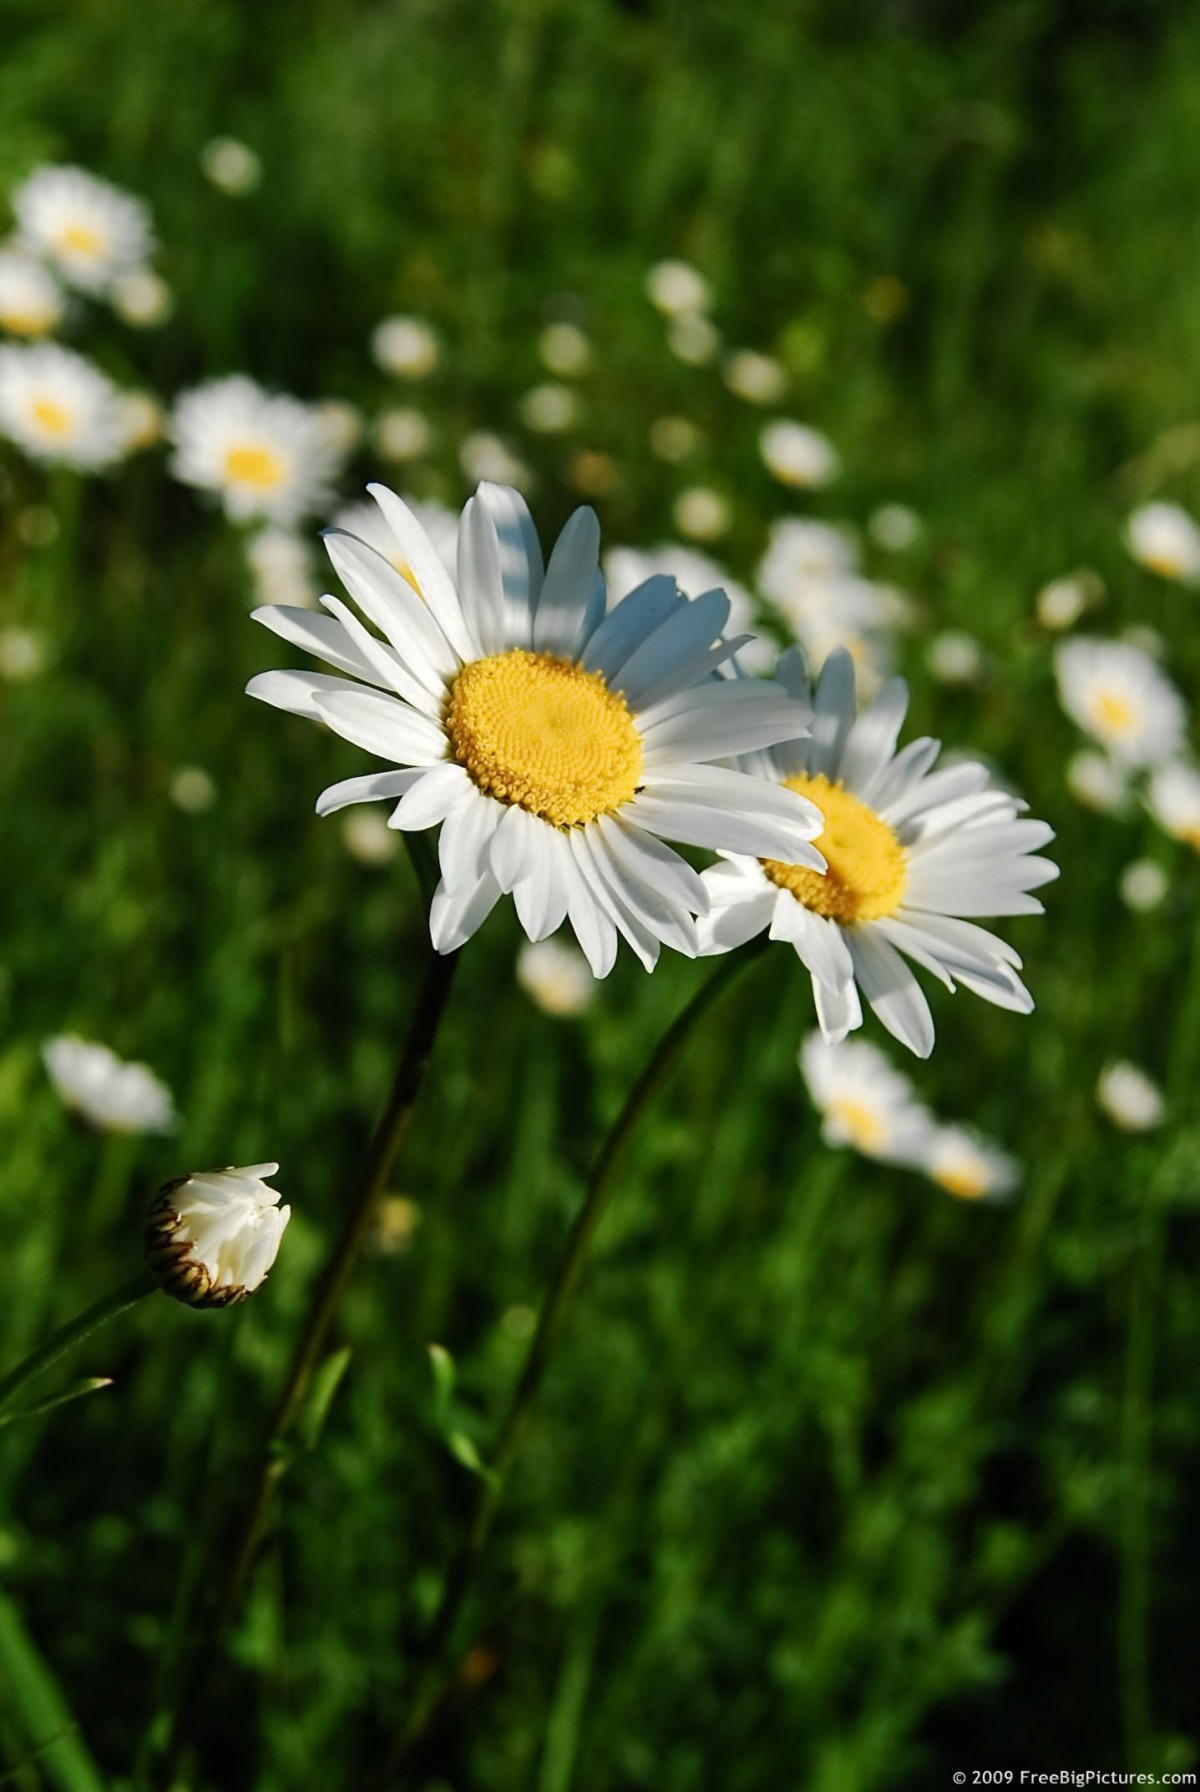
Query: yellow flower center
x: 253, y: 466
x: 965, y: 1180
x: 544, y: 733
x: 1114, y: 713
x: 1169, y: 565
x: 81, y: 239
x: 25, y: 323
x: 54, y: 418
x: 862, y: 1128
x: 1189, y: 833
x: 867, y: 870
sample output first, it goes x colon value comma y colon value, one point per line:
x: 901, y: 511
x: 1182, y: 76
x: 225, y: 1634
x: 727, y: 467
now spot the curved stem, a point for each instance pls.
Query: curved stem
x: 600, y: 1189
x: 118, y: 1301
x: 274, y: 1460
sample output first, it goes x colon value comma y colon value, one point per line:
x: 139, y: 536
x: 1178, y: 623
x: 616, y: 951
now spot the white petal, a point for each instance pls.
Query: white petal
x: 631, y: 622
x: 366, y: 789
x: 440, y: 790
x: 818, y: 940
x: 892, y: 990
x: 684, y: 637
x: 567, y: 595
x: 872, y: 739
x: 433, y: 581
x: 382, y: 724
x: 464, y: 843
x: 454, y: 915
x: 838, y: 1011
x: 480, y: 581
x: 319, y: 635
x: 833, y: 714
x: 297, y: 692
x: 389, y: 601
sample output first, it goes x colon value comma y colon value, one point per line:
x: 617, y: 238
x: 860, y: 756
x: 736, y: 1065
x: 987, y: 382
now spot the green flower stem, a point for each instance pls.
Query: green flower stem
x: 306, y: 1357
x: 600, y: 1189
x: 74, y: 1332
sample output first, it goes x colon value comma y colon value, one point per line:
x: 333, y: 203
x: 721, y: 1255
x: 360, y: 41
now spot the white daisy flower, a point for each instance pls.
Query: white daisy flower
x: 863, y: 1100
x: 701, y: 513
x: 558, y: 746
x: 406, y: 346
x: 1173, y: 798
x: 1061, y: 603
x: 31, y: 300
x: 894, y: 527
x: 911, y: 854
x: 90, y: 232
x: 1096, y: 782
x: 113, y: 1095
x: 797, y: 455
x: 693, y: 572
x: 264, y: 454
x: 1143, y: 886
x: 1165, y: 538
x: 676, y: 287
x: 801, y: 553
x: 756, y: 378
x: 58, y: 408
x: 1129, y: 1098
x: 1116, y: 693
x: 565, y: 350
x: 967, y: 1165
x: 212, y: 1238
x: 556, y: 977
x: 231, y: 165
x: 142, y: 298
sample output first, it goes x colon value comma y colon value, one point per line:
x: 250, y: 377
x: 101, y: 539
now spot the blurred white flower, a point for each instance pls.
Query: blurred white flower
x: 1173, y: 799
x: 366, y: 521
x: 550, y: 409
x: 368, y: 838
x: 58, y: 407
x: 342, y: 423
x: 693, y: 339
x: 694, y: 573
x: 283, y: 568
x: 676, y: 287
x: 1062, y: 602
x: 758, y: 379
x: 1117, y: 694
x: 894, y: 527
x: 1143, y: 886
x: 22, y: 654
x: 230, y: 165
x: 264, y: 454
x: 555, y: 976
x: 113, y: 1095
x: 1097, y: 782
x: 592, y: 473
x: 406, y: 346
x: 864, y: 1102
x: 797, y: 455
x: 967, y: 1165
x: 1164, y: 538
x: 402, y: 433
x: 31, y: 300
x: 142, y: 421
x: 701, y: 513
x: 89, y: 231
x: 212, y: 1238
x: 486, y: 457
x: 142, y: 298
x: 1129, y: 1098
x: 673, y: 438
x: 192, y: 790
x: 565, y: 350
x: 798, y: 552
x: 809, y: 574
x: 955, y: 657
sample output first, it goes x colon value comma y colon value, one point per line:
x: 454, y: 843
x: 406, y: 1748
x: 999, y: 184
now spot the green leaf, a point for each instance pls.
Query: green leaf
x: 76, y: 1391
x: 326, y: 1382
x: 39, y: 1709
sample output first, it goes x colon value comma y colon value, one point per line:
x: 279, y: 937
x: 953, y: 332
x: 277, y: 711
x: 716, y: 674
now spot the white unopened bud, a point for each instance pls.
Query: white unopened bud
x: 212, y: 1238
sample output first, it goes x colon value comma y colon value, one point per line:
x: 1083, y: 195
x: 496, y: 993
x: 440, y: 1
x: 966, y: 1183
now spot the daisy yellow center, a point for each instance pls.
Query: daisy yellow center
x: 861, y: 1126
x: 544, y: 733
x: 966, y: 1181
x: 1114, y: 712
x: 254, y: 466
x: 867, y: 871
x: 1162, y: 562
x: 54, y: 418
x: 25, y: 323
x: 81, y: 239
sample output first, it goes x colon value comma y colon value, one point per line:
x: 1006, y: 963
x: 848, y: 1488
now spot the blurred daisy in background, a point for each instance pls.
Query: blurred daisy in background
x: 142, y: 421
x: 262, y: 453
x: 693, y: 339
x: 701, y: 513
x: 911, y: 854
x: 556, y: 976
x: 556, y: 745
x: 1115, y: 692
x: 31, y: 300
x: 58, y: 408
x: 967, y: 1165
x: 89, y: 231
x: 192, y: 790
x: 1173, y: 799
x: 231, y: 165
x: 109, y: 1093
x: 758, y: 379
x: 1061, y: 603
x: 672, y: 439
x: 368, y: 837
x: 142, y: 298
x: 402, y: 433
x: 564, y: 350
x: 1129, y: 1098
x: 797, y: 455
x: 283, y: 567
x: 894, y: 527
x: 694, y: 573
x: 955, y: 658
x: 550, y: 409
x: 676, y: 288
x: 1143, y: 886
x: 810, y: 575
x: 1164, y: 538
x: 1098, y: 783
x: 368, y: 523
x: 406, y: 346
x: 864, y: 1102
x: 486, y: 458
x: 342, y: 422
x: 22, y: 654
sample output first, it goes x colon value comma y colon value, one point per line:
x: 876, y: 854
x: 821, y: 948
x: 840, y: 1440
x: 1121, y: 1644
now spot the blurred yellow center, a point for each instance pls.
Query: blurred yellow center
x: 964, y: 1180
x: 544, y: 733
x: 861, y: 1126
x: 25, y: 323
x: 256, y: 467
x: 1166, y: 564
x: 1114, y: 713
x: 54, y: 418
x: 867, y: 871
x: 81, y: 239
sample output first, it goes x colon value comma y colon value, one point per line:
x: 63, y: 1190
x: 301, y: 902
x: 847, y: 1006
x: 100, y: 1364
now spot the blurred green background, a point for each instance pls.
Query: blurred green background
x: 837, y: 1482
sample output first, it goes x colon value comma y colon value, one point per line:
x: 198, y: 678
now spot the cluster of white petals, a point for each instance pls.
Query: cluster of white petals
x: 211, y: 1238
x: 58, y: 408
x: 106, y: 1091
x: 89, y: 231
x: 264, y: 454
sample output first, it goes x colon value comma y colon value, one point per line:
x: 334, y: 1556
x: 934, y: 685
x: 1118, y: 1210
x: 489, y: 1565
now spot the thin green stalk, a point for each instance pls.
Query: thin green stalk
x: 276, y: 1456
x: 117, y: 1301
x: 600, y: 1189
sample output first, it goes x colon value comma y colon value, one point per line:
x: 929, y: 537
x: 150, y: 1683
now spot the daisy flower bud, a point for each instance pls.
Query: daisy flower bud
x: 212, y: 1238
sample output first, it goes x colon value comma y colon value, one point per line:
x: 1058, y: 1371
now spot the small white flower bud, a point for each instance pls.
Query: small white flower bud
x: 211, y: 1238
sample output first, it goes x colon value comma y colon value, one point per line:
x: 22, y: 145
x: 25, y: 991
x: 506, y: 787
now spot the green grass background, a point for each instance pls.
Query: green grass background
x: 837, y: 1483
